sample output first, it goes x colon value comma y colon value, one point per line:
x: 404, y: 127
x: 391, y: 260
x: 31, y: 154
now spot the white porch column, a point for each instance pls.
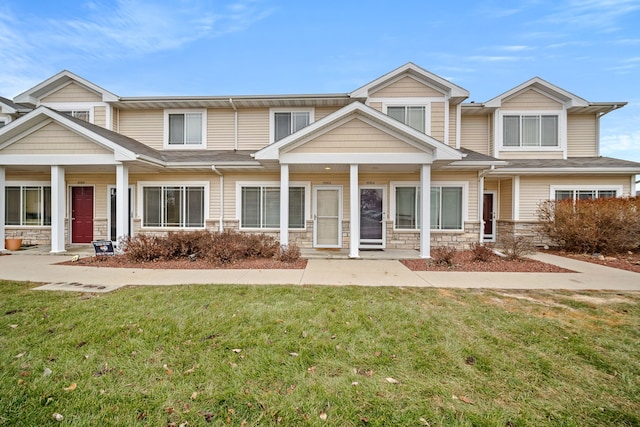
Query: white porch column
x: 284, y: 205
x: 354, y: 213
x: 58, y: 199
x: 516, y: 198
x: 122, y: 200
x: 481, y: 206
x: 3, y: 183
x: 425, y: 212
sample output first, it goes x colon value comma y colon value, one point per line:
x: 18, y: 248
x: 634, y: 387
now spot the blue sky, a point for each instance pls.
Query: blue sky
x: 243, y: 47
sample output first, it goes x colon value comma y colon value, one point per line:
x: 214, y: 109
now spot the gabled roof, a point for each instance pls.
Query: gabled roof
x: 569, y: 166
x: 357, y: 109
x: 567, y: 98
x: 9, y: 107
x: 64, y: 77
x: 124, y: 148
x: 456, y: 93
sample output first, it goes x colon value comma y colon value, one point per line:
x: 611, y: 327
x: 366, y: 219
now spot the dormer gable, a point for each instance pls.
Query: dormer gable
x: 417, y: 79
x: 539, y: 86
x: 65, y: 81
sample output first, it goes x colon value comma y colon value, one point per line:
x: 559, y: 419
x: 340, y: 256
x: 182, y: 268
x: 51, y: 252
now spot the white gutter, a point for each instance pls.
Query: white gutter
x: 221, y: 225
x: 235, y: 125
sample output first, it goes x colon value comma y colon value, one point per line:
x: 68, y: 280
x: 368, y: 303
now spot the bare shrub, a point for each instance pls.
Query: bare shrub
x: 444, y: 255
x: 482, y: 252
x: 289, y: 253
x: 606, y: 225
x: 143, y: 248
x: 515, y: 247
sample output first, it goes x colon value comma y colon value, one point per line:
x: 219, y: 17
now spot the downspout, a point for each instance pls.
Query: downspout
x: 235, y: 125
x: 221, y: 224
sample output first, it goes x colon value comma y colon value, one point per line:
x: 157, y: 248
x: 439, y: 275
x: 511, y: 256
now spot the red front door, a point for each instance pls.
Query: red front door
x: 487, y: 216
x: 81, y: 214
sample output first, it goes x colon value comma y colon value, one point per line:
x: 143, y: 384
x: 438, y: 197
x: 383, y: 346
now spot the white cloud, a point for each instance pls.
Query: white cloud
x: 599, y: 15
x: 35, y: 45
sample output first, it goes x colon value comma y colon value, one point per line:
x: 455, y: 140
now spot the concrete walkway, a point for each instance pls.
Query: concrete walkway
x: 40, y: 268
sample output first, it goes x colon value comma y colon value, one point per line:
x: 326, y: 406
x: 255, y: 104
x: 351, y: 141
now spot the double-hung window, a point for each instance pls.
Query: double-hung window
x: 185, y: 129
x: 27, y: 205
x: 180, y: 206
x: 530, y: 130
x: 446, y: 207
x: 412, y: 115
x: 285, y: 122
x: 260, y: 206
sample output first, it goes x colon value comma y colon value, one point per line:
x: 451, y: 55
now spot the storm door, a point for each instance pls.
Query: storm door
x: 372, y: 218
x: 327, y: 217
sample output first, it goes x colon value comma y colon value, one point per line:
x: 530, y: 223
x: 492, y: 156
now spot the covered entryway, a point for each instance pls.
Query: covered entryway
x: 327, y: 217
x: 81, y: 214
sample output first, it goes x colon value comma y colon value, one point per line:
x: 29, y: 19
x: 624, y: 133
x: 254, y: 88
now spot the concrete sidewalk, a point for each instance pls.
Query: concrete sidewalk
x: 42, y: 268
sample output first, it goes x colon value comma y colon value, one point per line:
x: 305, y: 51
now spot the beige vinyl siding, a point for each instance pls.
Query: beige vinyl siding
x: 535, y: 189
x: 72, y: 93
x: 253, y: 128
x: 146, y: 126
x: 355, y: 136
x: 100, y: 116
x: 453, y: 120
x: 582, y: 135
x: 321, y: 112
x: 376, y: 105
x: 54, y: 139
x: 530, y: 99
x: 437, y: 121
x: 505, y: 187
x: 405, y: 87
x: 505, y: 155
x: 474, y: 133
x: 220, y: 129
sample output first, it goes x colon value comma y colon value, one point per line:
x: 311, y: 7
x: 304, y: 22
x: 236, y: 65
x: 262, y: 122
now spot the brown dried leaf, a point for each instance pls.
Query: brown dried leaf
x: 71, y: 387
x: 392, y: 380
x: 194, y: 395
x: 466, y: 400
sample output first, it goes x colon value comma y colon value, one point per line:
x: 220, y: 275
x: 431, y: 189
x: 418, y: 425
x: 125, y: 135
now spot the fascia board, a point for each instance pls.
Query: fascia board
x: 63, y: 77
x: 560, y: 171
x: 544, y: 86
x: 52, y: 159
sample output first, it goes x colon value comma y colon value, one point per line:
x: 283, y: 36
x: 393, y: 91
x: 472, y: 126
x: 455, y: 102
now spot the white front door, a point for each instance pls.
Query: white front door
x: 372, y: 218
x: 327, y: 217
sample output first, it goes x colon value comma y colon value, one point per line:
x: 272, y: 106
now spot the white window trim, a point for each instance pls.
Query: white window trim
x: 27, y: 184
x: 75, y: 106
x: 272, y: 118
x: 307, y: 201
x: 139, y: 197
x: 411, y: 102
x: 165, y: 135
x: 465, y: 202
x: 552, y: 189
x: 562, y: 130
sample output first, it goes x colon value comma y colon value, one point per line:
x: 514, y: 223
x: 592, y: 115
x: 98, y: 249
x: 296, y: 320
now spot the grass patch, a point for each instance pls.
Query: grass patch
x: 290, y: 356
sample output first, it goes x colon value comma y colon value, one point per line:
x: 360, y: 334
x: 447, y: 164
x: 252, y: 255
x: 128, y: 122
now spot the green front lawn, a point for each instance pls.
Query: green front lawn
x: 339, y: 356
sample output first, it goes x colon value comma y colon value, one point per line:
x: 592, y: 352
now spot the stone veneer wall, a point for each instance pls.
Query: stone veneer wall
x: 401, y: 239
x: 30, y: 235
x: 528, y: 229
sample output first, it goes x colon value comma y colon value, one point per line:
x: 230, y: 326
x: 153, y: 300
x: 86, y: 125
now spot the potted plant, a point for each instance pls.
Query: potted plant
x: 12, y: 243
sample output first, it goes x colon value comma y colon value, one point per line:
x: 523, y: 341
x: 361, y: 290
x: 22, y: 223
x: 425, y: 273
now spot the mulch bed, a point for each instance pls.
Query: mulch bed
x: 627, y: 261
x: 464, y: 261
x: 119, y: 261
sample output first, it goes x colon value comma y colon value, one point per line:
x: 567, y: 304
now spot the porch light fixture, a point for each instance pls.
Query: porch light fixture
x: 327, y: 168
